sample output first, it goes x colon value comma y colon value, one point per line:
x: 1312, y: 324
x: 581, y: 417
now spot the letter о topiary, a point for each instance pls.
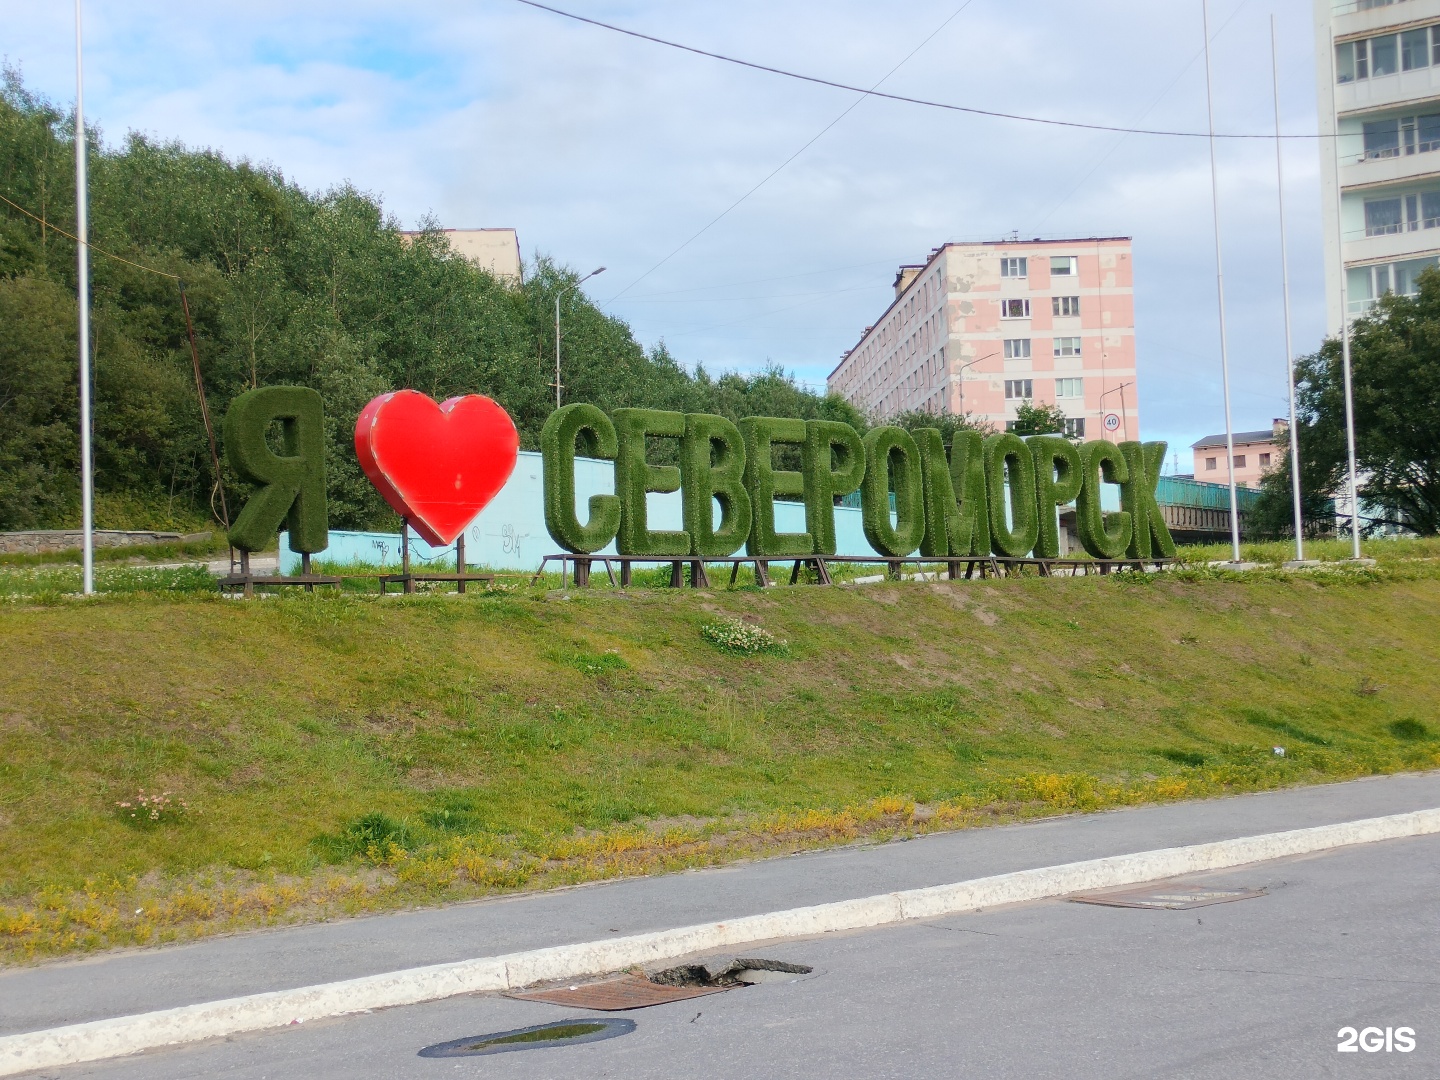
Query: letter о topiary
x: 891, y: 456
x: 1007, y: 457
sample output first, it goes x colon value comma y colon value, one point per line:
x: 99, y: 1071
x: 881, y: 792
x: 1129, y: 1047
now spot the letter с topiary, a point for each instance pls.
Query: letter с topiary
x: 970, y: 527
x: 712, y: 467
x: 1105, y: 536
x: 592, y: 428
x: 1150, y: 536
x: 634, y: 476
x: 938, y: 493
x: 764, y: 482
x: 891, y: 455
x: 292, y: 484
x: 1058, y: 476
x: 828, y: 444
x: 1008, y: 454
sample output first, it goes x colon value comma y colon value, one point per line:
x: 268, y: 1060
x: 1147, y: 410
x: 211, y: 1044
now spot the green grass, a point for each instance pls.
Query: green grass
x: 342, y: 753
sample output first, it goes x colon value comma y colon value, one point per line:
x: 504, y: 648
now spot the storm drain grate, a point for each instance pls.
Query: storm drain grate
x: 1172, y: 897
x: 559, y: 1033
x: 673, y: 984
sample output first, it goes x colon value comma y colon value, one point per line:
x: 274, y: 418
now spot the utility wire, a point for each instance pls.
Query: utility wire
x: 92, y: 247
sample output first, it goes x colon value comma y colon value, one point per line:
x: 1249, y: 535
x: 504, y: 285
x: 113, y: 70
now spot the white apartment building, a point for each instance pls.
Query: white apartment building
x: 1379, y: 89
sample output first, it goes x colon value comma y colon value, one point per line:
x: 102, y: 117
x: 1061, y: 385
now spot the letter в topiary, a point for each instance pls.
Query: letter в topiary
x: 291, y: 484
x: 1008, y: 454
x: 970, y: 527
x: 828, y: 444
x: 712, y: 467
x: 1058, y: 477
x: 634, y: 476
x: 592, y: 428
x: 764, y: 482
x: 937, y: 492
x: 1105, y: 536
x: 891, y: 455
x: 1150, y: 536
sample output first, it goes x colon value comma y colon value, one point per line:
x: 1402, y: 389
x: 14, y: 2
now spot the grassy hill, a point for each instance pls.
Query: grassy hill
x: 343, y: 753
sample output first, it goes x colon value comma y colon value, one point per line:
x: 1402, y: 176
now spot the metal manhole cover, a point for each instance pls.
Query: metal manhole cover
x: 559, y: 1033
x: 1170, y: 897
x: 613, y: 995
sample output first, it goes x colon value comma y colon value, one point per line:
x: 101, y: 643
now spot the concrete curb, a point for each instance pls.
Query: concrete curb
x: 122, y: 1035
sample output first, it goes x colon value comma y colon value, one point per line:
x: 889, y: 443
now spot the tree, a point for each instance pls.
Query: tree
x: 947, y: 423
x: 1031, y: 419
x: 1273, y: 514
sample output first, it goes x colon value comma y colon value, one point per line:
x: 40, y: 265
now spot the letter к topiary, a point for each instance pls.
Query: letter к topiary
x: 1105, y: 536
x: 938, y: 493
x: 764, y: 482
x: 1150, y: 536
x: 712, y: 467
x: 592, y: 428
x: 634, y: 476
x: 970, y: 527
x: 1008, y: 454
x: 828, y: 444
x: 291, y: 484
x: 891, y: 455
x: 1058, y: 477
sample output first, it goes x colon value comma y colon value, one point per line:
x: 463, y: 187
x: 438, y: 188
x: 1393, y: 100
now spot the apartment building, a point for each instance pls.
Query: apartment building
x: 1256, y: 453
x: 496, y: 250
x: 980, y: 328
x: 1379, y: 94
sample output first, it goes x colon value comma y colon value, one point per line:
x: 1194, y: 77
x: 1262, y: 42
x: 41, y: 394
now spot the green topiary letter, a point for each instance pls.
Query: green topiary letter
x: 938, y: 493
x: 557, y: 449
x: 634, y: 476
x: 1150, y: 536
x: 891, y: 454
x: 828, y: 443
x: 1058, y: 477
x: 1105, y: 536
x: 764, y: 482
x: 1004, y: 454
x: 970, y: 528
x: 712, y: 466
x: 292, y: 484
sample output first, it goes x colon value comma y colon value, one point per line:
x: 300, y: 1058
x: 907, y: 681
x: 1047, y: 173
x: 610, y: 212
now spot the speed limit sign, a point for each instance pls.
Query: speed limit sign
x: 1112, y: 422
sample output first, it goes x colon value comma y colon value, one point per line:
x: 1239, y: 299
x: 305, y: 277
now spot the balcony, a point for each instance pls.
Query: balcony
x: 1352, y: 17
x: 1391, y: 246
x: 1373, y: 170
x: 1386, y: 91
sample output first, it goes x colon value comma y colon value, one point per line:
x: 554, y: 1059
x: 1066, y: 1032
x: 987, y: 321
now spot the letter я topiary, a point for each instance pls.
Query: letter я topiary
x: 832, y: 464
x: 892, y: 456
x: 595, y: 433
x: 938, y: 492
x: 1058, y: 476
x: 1150, y: 536
x: 291, y: 484
x: 970, y: 527
x: 1008, y: 454
x: 764, y: 482
x: 634, y: 476
x: 712, y: 468
x: 1104, y: 536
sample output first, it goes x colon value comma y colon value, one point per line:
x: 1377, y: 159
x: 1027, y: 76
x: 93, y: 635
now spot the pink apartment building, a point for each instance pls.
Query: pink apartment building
x: 982, y: 327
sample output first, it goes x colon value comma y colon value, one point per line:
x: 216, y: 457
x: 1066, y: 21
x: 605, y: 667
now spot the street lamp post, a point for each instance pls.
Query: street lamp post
x: 558, y: 295
x: 82, y: 256
x: 1124, y: 415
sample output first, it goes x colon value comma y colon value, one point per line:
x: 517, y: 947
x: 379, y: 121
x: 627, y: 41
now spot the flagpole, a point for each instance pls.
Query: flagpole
x: 87, y: 478
x: 1285, y: 294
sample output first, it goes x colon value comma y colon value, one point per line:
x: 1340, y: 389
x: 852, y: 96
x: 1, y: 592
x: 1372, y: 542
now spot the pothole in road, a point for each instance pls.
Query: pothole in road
x: 1170, y: 896
x: 559, y: 1033
x: 631, y: 991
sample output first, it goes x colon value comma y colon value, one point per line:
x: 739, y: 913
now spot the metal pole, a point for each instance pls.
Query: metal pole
x: 82, y: 256
x: 557, y: 347
x: 1220, y: 287
x: 1285, y: 294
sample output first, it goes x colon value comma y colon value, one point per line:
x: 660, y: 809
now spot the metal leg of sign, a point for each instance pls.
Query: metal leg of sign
x: 409, y: 584
x: 734, y: 571
x: 245, y: 573
x: 460, y: 562
x: 822, y: 571
x: 624, y: 573
x: 609, y: 572
x: 699, y: 579
x: 762, y: 573
x: 582, y: 573
x: 305, y: 570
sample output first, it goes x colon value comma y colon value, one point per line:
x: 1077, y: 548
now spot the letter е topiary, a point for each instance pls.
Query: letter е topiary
x: 891, y: 455
x: 1150, y: 536
x: 1105, y: 536
x: 1058, y: 477
x: 592, y: 428
x: 764, y: 482
x: 634, y: 476
x: 970, y: 528
x: 292, y: 484
x: 712, y: 467
x: 1008, y: 454
x: 828, y: 443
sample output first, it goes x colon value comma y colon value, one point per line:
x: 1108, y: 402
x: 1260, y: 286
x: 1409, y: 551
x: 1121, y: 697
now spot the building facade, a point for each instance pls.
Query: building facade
x: 1379, y: 94
x: 496, y: 250
x: 1256, y: 453
x: 980, y: 328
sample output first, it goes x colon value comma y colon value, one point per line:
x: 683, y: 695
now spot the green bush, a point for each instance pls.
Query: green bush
x: 1104, y: 536
x: 1008, y: 454
x: 941, y: 510
x: 892, y: 459
x: 1058, y: 478
x: 764, y: 482
x: 970, y: 528
x: 833, y: 464
x: 558, y: 438
x: 736, y: 636
x: 634, y: 476
x: 1149, y: 536
x: 712, y: 467
x: 291, y: 486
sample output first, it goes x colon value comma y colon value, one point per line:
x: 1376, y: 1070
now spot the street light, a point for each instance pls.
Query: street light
x: 558, y: 295
x: 1124, y: 416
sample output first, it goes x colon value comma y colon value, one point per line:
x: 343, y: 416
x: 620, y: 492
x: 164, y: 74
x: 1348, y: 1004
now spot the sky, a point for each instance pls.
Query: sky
x: 601, y: 149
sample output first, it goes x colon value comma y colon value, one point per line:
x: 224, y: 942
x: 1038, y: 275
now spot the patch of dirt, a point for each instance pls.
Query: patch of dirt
x: 989, y: 618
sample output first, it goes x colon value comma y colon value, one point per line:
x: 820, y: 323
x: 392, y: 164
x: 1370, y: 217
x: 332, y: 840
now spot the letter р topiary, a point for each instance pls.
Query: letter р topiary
x: 1150, y: 536
x: 291, y: 484
x: 764, y: 482
x: 592, y: 428
x: 970, y: 528
x: 832, y: 464
x: 1104, y: 536
x: 712, y: 468
x: 1058, y: 476
x: 634, y: 476
x: 1008, y: 454
x: 891, y: 455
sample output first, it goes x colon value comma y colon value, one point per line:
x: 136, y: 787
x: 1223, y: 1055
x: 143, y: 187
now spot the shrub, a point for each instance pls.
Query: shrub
x: 736, y: 636
x: 1409, y: 729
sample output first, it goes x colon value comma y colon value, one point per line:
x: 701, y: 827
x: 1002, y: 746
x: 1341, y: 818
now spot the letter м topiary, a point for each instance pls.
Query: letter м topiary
x: 712, y: 468
x: 593, y: 430
x: 1058, y: 477
x: 1150, y: 536
x: 832, y: 464
x: 938, y: 493
x: 1104, y: 536
x: 892, y: 456
x: 970, y: 528
x: 292, y: 483
x: 1007, y: 454
x: 764, y: 482
x: 634, y: 476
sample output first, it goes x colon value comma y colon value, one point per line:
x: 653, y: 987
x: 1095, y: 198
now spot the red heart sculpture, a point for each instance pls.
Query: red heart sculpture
x: 437, y: 465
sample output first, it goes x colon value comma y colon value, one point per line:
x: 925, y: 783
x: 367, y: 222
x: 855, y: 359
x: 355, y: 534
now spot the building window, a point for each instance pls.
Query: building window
x: 1384, y: 56
x: 1070, y: 388
x: 1264, y: 461
x: 1352, y: 61
x: 1019, y: 389
x: 1415, y: 49
x: 1065, y: 305
x: 1017, y: 348
x: 1075, y: 429
x: 1011, y: 267
x: 1211, y: 464
x: 1009, y: 425
x: 1239, y: 461
x: 1014, y: 309
x: 1067, y: 346
x: 1382, y: 217
x: 1064, y: 265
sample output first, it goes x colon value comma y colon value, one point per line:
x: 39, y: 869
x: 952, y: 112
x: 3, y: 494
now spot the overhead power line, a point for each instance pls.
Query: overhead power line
x: 98, y: 250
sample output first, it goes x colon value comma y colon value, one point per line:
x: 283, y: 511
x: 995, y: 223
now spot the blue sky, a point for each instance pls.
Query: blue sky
x: 602, y: 149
